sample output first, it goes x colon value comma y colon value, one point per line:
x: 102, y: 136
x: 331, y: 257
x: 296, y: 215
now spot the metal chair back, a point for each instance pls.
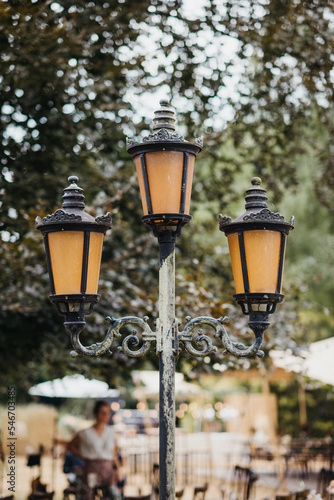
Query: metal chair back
x: 244, y: 480
x: 200, y: 491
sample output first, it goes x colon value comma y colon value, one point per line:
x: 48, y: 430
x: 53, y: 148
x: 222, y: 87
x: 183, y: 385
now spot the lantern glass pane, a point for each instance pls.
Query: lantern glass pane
x: 191, y: 164
x: 94, y: 262
x: 233, y: 243
x: 141, y: 184
x: 66, y: 253
x: 164, y: 170
x: 262, y: 249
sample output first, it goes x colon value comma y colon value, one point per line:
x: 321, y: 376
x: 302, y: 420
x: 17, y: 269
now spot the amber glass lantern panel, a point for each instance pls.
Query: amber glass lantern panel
x: 233, y: 243
x: 262, y: 249
x: 165, y: 172
x: 94, y: 262
x: 66, y: 254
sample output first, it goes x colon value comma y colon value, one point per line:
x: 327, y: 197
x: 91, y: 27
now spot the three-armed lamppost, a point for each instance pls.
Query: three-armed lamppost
x: 73, y: 242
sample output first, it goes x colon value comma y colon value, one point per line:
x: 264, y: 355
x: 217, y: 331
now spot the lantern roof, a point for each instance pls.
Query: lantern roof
x: 164, y: 135
x: 73, y: 212
x: 257, y: 215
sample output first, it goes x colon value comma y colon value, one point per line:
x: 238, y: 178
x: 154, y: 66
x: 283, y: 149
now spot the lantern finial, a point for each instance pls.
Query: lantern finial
x: 256, y: 181
x: 256, y: 196
x: 164, y: 117
x: 73, y: 195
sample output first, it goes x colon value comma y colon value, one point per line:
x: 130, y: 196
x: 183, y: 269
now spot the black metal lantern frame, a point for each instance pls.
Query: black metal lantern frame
x: 248, y: 300
x: 258, y: 217
x: 72, y: 217
x: 165, y: 139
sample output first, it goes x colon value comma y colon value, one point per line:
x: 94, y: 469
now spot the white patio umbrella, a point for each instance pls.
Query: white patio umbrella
x: 147, y: 383
x: 316, y: 363
x: 73, y: 386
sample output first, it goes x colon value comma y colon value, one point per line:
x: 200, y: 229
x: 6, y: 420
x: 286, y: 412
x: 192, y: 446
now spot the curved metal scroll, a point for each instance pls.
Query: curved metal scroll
x: 113, y: 332
x: 201, y: 340
x: 241, y: 350
x: 237, y: 349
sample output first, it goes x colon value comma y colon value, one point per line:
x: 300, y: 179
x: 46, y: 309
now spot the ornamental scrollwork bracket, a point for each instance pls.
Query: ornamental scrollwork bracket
x: 193, y: 333
x: 104, y: 347
x: 237, y: 349
x: 132, y: 340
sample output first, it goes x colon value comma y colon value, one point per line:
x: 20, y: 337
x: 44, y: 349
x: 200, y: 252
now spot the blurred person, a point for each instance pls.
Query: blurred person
x: 96, y: 446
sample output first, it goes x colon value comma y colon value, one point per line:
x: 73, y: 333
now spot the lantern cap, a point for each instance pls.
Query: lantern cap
x: 164, y: 117
x: 73, y: 195
x: 72, y: 214
x: 164, y: 136
x: 256, y: 196
x: 257, y: 215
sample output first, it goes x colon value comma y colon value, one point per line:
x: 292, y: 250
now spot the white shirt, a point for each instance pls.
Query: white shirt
x: 92, y: 446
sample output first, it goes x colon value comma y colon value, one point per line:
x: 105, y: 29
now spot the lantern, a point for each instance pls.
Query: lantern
x: 165, y: 164
x: 257, y: 241
x: 73, y: 245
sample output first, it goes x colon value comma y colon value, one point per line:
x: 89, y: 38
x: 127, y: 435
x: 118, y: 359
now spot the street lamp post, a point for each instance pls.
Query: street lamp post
x: 73, y: 242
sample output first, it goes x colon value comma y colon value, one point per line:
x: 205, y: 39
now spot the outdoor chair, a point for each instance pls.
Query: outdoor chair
x: 155, y: 481
x: 155, y: 486
x: 40, y: 495
x: 39, y: 491
x: 200, y: 491
x: 101, y: 491
x: 325, y: 476
x: 244, y: 480
x: 179, y: 493
x: 70, y: 490
x: 302, y: 495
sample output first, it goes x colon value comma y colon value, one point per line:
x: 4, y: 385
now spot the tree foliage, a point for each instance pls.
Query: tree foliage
x: 287, y: 48
x: 245, y: 74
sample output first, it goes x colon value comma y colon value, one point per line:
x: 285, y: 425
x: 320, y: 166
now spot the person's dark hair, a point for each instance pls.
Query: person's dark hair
x: 98, y: 405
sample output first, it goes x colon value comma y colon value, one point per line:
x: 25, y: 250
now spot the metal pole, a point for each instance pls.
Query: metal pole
x: 167, y: 367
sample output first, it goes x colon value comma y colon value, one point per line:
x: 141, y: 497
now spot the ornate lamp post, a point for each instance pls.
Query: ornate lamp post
x: 73, y: 244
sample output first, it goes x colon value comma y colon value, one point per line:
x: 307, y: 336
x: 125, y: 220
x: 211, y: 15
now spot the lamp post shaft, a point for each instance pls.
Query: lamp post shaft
x: 166, y: 368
